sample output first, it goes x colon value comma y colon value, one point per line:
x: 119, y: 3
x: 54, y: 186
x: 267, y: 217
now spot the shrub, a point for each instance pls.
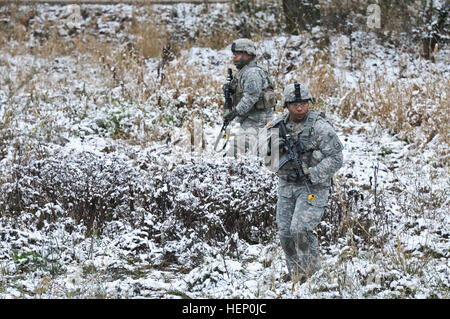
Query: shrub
x: 209, y: 199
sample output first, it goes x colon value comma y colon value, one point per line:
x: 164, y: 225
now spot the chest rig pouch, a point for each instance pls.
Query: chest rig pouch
x: 305, y: 142
x: 267, y: 98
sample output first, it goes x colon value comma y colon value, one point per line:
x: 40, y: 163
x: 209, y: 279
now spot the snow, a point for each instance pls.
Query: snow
x: 106, y: 215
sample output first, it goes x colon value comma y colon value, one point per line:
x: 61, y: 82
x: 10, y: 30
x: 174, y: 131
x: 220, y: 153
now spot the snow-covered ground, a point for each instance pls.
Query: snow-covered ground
x: 96, y: 200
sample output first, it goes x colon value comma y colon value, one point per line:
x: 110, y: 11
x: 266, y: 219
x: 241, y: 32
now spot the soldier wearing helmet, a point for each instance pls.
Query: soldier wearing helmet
x: 253, y: 98
x: 319, y: 154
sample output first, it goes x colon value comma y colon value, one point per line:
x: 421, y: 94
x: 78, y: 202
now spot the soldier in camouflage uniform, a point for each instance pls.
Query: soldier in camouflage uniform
x: 252, y: 90
x: 297, y: 215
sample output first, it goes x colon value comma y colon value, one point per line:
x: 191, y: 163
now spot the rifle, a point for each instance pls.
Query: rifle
x: 228, y: 106
x: 222, y: 135
x: 292, y: 155
x: 227, y: 91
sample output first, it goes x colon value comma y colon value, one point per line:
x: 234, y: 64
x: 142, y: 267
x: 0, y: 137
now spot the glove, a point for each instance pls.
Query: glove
x: 283, y: 145
x: 230, y: 116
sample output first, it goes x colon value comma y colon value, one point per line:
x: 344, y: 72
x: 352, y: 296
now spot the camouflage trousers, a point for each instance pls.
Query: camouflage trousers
x: 297, y: 217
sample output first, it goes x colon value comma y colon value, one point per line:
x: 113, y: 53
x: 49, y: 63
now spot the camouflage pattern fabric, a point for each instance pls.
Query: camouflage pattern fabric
x: 297, y: 216
x: 253, y: 99
x: 244, y: 45
x: 249, y: 85
x: 289, y: 94
x: 323, y: 153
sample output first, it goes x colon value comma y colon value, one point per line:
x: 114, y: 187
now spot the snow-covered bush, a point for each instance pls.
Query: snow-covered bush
x: 91, y: 204
x: 209, y: 200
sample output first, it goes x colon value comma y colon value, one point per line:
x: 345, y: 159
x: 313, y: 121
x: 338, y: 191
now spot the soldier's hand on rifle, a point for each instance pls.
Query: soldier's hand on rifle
x: 305, y: 170
x: 230, y: 116
x: 283, y: 147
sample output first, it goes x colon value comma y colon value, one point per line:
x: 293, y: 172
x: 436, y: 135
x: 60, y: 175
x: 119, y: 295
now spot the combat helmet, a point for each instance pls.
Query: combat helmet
x: 296, y: 92
x: 244, y: 45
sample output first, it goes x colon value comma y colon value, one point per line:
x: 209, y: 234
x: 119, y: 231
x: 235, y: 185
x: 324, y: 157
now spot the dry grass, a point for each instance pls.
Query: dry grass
x: 150, y: 36
x: 217, y: 40
x: 395, y: 105
x: 121, y: 63
x: 416, y: 113
x: 322, y: 81
x: 183, y: 76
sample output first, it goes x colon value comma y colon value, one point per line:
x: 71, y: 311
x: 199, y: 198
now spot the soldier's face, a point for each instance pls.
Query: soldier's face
x: 240, y: 58
x: 298, y: 110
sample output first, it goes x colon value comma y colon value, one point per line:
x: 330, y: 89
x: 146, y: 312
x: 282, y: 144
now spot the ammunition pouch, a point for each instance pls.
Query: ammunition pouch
x: 267, y: 100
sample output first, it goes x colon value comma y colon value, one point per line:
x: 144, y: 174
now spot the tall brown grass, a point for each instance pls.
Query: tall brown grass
x: 415, y: 113
x: 150, y: 35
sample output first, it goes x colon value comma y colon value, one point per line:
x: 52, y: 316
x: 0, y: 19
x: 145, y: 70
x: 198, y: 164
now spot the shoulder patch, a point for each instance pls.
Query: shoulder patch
x: 251, y: 86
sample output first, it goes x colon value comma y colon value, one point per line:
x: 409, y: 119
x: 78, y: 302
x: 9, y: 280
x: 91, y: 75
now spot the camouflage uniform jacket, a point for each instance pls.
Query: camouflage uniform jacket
x: 253, y: 96
x: 322, y: 150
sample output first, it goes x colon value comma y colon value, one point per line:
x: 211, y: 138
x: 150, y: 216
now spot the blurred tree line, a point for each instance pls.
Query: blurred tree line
x: 423, y: 22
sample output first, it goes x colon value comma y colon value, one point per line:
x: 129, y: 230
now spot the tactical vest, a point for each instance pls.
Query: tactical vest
x: 306, y: 138
x: 267, y: 98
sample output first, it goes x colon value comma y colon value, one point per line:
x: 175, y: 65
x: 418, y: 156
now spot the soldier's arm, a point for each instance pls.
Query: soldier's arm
x: 331, y: 152
x: 252, y: 84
